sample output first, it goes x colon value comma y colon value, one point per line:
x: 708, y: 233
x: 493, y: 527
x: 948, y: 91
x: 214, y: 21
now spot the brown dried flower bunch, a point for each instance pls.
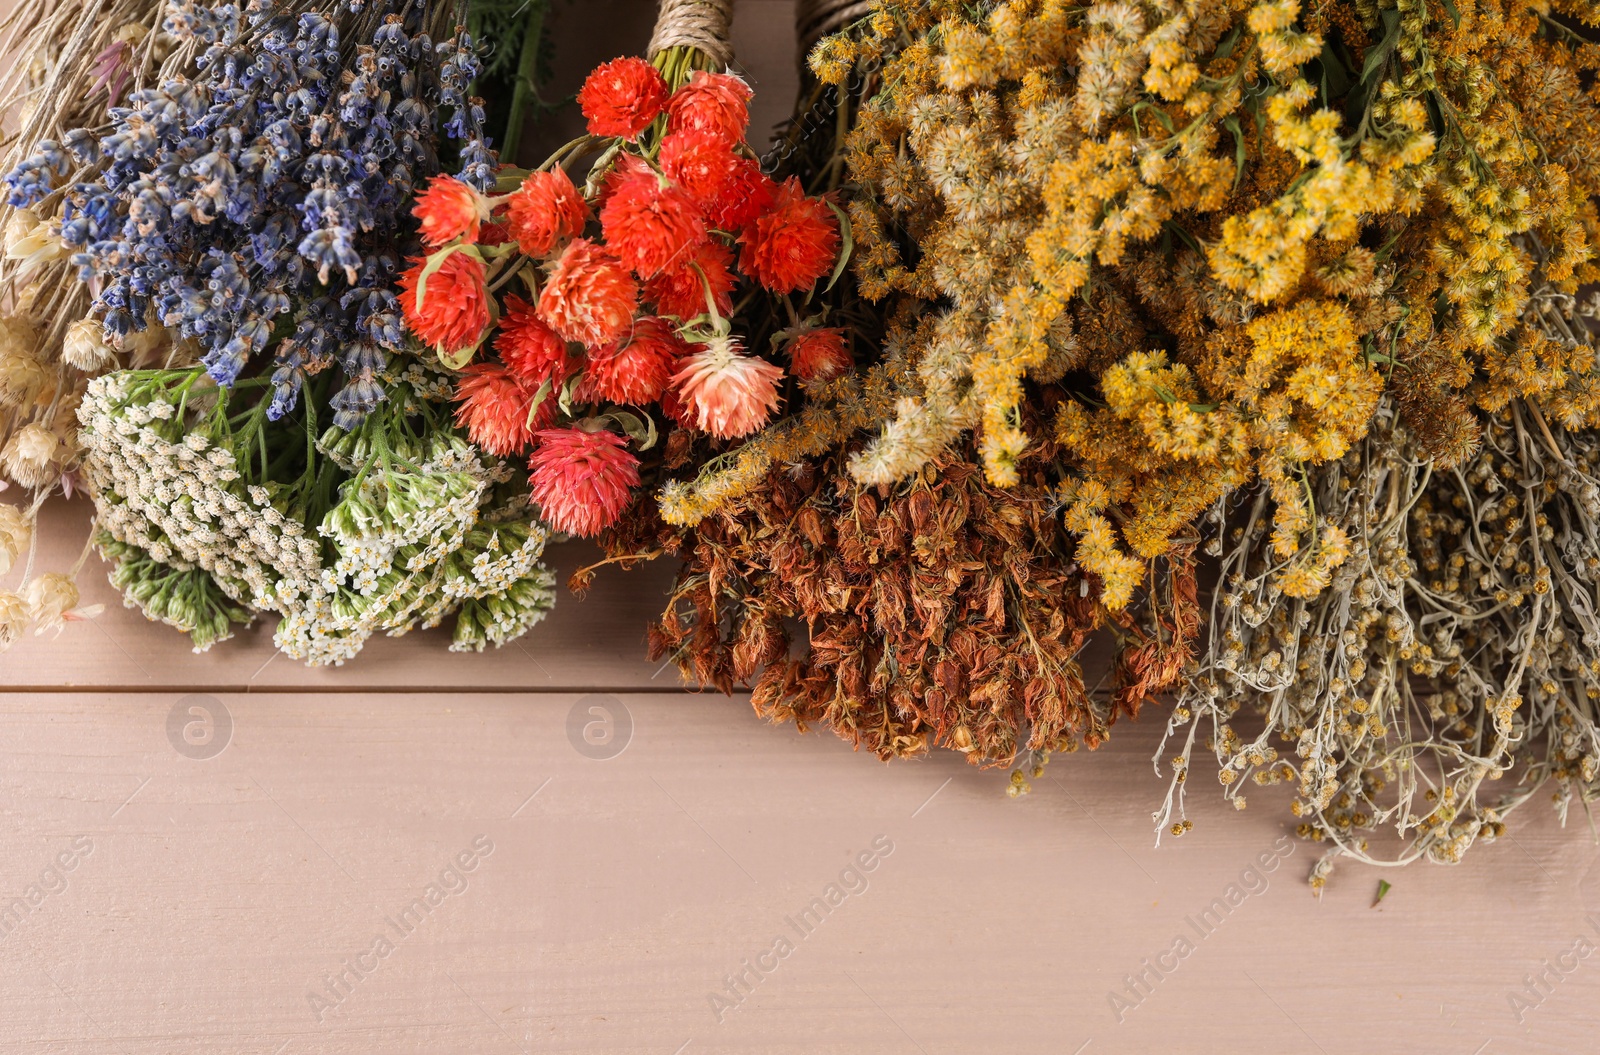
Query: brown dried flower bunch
x: 937, y: 611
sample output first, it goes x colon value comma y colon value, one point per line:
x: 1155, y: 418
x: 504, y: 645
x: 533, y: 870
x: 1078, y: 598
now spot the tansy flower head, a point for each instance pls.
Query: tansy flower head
x: 699, y: 162
x: 648, y: 225
x: 449, y: 209
x: 590, y: 296
x: 792, y: 244
x: 530, y: 349
x: 455, y: 305
x: 680, y: 290
x: 492, y: 404
x: 748, y: 193
x: 581, y: 480
x: 621, y: 97
x: 638, y: 368
x: 545, y: 211
x: 730, y: 394
x: 716, y: 103
x: 820, y: 354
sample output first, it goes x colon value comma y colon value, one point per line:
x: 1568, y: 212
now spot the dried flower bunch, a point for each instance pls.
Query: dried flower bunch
x: 1297, y: 285
x: 621, y: 323
x: 68, y: 63
x: 253, y: 208
x: 1232, y: 221
x: 395, y: 523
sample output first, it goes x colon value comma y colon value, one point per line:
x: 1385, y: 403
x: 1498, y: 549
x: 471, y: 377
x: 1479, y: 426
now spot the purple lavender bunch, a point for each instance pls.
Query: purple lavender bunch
x: 259, y: 202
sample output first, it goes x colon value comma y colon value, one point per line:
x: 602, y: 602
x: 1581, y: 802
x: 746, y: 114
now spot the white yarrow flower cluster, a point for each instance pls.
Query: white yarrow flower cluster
x: 405, y: 543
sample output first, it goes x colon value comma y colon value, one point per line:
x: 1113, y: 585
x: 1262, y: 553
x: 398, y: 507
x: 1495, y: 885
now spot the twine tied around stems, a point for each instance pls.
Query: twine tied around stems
x: 815, y: 19
x: 699, y: 24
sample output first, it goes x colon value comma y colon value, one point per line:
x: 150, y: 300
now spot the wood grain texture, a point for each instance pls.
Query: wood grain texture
x: 596, y: 641
x: 620, y: 894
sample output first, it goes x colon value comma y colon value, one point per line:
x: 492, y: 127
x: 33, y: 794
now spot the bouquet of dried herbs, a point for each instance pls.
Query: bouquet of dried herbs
x: 935, y: 611
x: 1297, y: 287
x: 69, y: 63
x: 585, y: 321
x: 252, y: 210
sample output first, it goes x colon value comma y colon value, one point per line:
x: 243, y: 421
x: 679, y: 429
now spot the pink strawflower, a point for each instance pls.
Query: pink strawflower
x: 731, y: 395
x: 793, y: 244
x: 529, y: 348
x: 681, y: 289
x: 820, y: 355
x: 545, y: 211
x: 492, y: 404
x: 748, y: 193
x: 581, y: 480
x: 455, y: 303
x: 699, y: 162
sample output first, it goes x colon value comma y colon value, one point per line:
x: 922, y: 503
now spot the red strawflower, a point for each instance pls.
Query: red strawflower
x: 674, y: 407
x: 820, y: 354
x: 492, y: 404
x: 455, y: 304
x: 581, y: 480
x: 679, y: 290
x: 449, y: 209
x: 792, y: 244
x: 622, y: 97
x: 699, y: 162
x: 731, y: 394
x: 530, y: 349
x: 647, y: 225
x: 497, y: 231
x: 748, y: 193
x: 638, y: 368
x: 718, y: 103
x: 590, y: 296
x: 545, y: 211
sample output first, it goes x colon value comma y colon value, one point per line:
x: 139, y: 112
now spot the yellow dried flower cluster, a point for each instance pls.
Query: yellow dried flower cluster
x: 1214, y: 235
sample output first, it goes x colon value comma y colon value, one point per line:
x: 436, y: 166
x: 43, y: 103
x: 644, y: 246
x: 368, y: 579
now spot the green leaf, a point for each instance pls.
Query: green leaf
x: 1455, y: 16
x: 641, y: 429
x: 538, y: 399
x: 1383, y: 888
x: 1380, y: 54
x: 846, y: 248
x: 1232, y: 125
x: 1228, y: 42
x: 564, y: 401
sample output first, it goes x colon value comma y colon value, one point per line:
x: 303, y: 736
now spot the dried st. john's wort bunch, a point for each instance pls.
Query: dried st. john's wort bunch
x: 212, y: 513
x: 934, y: 612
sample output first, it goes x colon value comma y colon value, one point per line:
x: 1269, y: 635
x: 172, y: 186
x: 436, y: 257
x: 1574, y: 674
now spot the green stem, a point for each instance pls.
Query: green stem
x: 523, y: 93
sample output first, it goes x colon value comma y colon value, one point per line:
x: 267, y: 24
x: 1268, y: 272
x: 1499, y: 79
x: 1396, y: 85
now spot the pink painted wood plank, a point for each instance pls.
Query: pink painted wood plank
x: 596, y: 641
x: 620, y: 895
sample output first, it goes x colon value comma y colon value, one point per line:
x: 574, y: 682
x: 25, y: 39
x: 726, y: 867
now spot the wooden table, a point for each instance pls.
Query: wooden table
x: 420, y: 852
